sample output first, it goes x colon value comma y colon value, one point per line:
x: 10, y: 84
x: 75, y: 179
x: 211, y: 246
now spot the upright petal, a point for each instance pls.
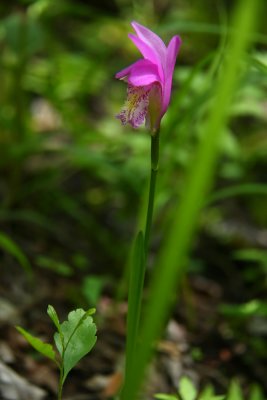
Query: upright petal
x: 148, y: 53
x: 172, y: 51
x: 151, y: 39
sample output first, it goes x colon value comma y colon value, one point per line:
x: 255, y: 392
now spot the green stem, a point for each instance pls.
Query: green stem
x: 60, y: 385
x: 137, y: 275
x: 152, y: 187
x: 149, y: 215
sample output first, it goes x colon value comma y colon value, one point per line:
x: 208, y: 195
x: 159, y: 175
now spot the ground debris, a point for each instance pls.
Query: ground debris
x: 14, y: 387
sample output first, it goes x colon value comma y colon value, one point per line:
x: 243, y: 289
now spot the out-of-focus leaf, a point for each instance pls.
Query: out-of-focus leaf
x: 251, y: 308
x: 256, y: 393
x: 23, y: 34
x: 163, y: 396
x: 187, y: 389
x: 239, y: 190
x: 92, y: 287
x: 209, y: 394
x: 262, y: 66
x: 60, y: 267
x: 44, y: 348
x: 235, y: 392
x: 12, y: 248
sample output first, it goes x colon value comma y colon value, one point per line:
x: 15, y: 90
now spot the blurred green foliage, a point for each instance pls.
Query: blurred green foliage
x: 73, y: 180
x: 187, y: 390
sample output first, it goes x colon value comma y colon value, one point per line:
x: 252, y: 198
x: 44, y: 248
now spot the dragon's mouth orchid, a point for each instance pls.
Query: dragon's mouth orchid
x: 149, y: 79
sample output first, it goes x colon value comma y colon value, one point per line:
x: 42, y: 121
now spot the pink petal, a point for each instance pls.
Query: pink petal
x: 125, y: 72
x: 141, y: 73
x: 135, y: 108
x: 148, y: 52
x: 172, y: 51
x: 151, y: 39
x: 144, y: 73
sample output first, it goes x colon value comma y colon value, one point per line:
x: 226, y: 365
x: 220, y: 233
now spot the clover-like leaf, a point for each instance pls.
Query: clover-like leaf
x: 79, y: 337
x: 44, y: 348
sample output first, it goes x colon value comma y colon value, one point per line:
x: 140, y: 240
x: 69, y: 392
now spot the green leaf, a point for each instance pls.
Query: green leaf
x: 12, y: 248
x: 53, y: 315
x: 79, y: 337
x: 59, y: 267
x: 246, y: 189
x: 92, y: 288
x: 208, y: 394
x: 256, y: 393
x: 163, y: 396
x: 234, y: 392
x: 187, y: 389
x: 44, y: 348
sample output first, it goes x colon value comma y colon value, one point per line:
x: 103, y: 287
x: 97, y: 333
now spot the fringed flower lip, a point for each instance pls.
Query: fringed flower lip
x: 149, y: 79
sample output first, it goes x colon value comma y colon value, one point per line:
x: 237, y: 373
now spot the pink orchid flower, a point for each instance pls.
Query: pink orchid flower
x: 149, y: 79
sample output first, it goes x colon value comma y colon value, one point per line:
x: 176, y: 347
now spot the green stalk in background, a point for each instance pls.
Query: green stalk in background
x: 19, y: 103
x: 172, y: 260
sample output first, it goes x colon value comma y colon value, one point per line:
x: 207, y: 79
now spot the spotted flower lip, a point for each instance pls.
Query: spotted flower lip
x: 149, y: 79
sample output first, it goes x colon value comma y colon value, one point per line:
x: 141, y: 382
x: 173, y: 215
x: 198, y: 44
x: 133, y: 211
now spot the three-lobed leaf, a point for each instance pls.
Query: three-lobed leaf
x: 77, y: 338
x: 44, y: 348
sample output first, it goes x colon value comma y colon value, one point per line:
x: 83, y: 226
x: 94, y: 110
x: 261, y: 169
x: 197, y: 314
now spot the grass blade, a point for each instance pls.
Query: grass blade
x: 12, y: 248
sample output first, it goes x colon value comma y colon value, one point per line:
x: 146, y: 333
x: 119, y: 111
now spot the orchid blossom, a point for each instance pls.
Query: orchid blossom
x: 149, y: 79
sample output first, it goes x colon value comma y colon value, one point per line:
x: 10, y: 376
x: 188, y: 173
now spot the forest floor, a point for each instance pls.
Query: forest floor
x: 199, y: 340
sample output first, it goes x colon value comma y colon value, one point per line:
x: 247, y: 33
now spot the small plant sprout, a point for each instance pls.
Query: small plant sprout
x: 74, y: 338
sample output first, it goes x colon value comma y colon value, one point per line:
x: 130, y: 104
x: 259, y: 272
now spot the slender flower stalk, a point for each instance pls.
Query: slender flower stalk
x: 149, y: 83
x: 137, y: 275
x: 152, y: 187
